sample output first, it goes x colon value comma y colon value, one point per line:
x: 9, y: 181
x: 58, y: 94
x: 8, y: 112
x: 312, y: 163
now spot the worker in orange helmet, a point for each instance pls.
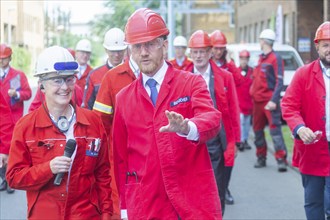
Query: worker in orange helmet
x: 221, y: 56
x: 14, y: 85
x: 306, y: 109
x: 162, y: 121
x: 221, y: 87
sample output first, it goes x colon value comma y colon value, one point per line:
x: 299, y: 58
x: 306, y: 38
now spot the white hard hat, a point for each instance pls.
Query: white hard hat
x: 114, y: 40
x: 55, y: 59
x: 268, y: 34
x: 84, y: 45
x: 180, y: 41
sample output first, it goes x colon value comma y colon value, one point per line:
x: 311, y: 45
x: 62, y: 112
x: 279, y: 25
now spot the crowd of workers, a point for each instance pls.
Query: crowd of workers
x: 157, y: 138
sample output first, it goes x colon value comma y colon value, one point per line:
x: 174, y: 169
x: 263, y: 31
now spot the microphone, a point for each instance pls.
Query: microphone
x: 68, y: 151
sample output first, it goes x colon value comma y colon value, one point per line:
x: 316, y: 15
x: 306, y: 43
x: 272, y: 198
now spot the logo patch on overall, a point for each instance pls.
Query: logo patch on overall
x: 94, y: 147
x: 180, y: 100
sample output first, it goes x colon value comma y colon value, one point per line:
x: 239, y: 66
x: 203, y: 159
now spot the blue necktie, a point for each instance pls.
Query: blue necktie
x: 154, y: 93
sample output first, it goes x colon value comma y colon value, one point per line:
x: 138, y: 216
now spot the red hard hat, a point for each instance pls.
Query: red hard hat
x: 218, y: 39
x: 244, y: 53
x: 5, y: 51
x: 199, y: 39
x: 73, y: 53
x: 144, y: 25
x: 323, y: 32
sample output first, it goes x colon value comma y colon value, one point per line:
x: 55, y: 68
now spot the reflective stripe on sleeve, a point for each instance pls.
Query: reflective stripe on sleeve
x: 106, y: 109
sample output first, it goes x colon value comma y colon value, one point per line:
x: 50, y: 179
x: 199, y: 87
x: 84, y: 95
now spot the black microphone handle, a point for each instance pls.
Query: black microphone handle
x: 68, y: 151
x: 58, y: 179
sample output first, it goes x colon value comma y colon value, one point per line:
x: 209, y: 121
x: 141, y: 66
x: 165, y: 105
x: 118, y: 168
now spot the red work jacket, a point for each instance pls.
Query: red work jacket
x: 35, y: 142
x: 231, y: 67
x: 185, y: 63
x: 77, y: 98
x: 16, y: 79
x: 227, y: 104
x: 268, y: 78
x: 163, y: 175
x: 244, y: 97
x: 93, y: 84
x: 6, y: 126
x: 304, y: 104
x: 114, y: 80
x: 82, y: 81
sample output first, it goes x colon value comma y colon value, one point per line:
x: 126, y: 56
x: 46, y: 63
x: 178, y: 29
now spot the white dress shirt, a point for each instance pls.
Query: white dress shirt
x: 205, y: 75
x: 326, y: 77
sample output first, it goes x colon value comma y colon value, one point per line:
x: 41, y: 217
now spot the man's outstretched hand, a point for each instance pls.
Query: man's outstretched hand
x: 176, y: 123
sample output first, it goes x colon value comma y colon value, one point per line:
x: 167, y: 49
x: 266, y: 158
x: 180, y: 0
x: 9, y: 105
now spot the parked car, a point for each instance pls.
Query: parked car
x: 291, y: 58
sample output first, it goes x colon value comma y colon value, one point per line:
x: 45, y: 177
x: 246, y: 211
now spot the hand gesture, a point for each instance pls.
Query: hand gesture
x: 12, y: 93
x: 306, y: 135
x: 271, y: 106
x: 60, y: 164
x: 176, y: 123
x: 3, y: 160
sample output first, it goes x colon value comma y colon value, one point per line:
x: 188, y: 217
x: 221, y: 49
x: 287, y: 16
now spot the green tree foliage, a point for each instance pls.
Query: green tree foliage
x: 117, y: 13
x: 21, y: 59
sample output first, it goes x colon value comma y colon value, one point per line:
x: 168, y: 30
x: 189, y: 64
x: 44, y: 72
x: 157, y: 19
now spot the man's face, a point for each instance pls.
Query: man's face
x: 218, y: 52
x: 82, y: 57
x: 323, y: 49
x: 200, y: 57
x: 149, y: 56
x: 115, y: 57
x: 4, y: 62
x: 179, y: 52
x: 243, y: 61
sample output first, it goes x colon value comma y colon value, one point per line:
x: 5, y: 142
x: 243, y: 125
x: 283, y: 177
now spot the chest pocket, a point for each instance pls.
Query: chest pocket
x: 90, y: 148
x: 45, y: 150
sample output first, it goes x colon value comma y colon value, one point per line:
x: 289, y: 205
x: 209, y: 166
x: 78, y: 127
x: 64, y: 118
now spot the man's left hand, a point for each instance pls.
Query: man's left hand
x: 271, y: 106
x: 176, y: 123
x: 3, y: 160
x: 12, y: 93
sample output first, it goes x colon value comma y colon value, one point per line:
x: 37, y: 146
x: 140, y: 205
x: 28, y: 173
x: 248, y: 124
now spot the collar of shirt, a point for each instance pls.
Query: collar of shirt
x: 134, y: 67
x: 326, y: 71
x: 206, y: 73
x: 159, y: 77
x: 180, y: 61
x: 109, y: 64
x: 81, y: 69
x: 4, y: 72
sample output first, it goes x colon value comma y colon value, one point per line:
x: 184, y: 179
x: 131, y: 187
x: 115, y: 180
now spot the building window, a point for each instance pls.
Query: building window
x: 286, y: 29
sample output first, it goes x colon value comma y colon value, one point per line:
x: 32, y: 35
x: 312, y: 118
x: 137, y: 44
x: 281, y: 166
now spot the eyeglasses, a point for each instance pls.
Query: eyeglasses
x: 59, y: 81
x: 148, y: 46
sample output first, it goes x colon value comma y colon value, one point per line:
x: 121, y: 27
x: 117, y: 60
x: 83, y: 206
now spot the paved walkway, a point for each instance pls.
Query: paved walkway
x: 264, y: 193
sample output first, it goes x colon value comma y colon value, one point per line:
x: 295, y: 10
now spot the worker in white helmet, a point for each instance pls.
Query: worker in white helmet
x: 59, y: 153
x: 83, y: 55
x: 180, y: 61
x: 115, y: 48
x: 265, y: 91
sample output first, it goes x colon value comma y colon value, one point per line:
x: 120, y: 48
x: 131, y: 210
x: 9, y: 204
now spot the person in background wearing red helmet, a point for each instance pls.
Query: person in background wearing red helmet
x: 265, y: 90
x: 6, y: 132
x: 180, y: 61
x: 245, y: 99
x: 221, y: 57
x: 306, y: 109
x: 72, y: 51
x: 83, y: 55
x: 41, y: 140
x: 161, y: 122
x: 221, y: 87
x: 14, y: 85
x: 115, y: 48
